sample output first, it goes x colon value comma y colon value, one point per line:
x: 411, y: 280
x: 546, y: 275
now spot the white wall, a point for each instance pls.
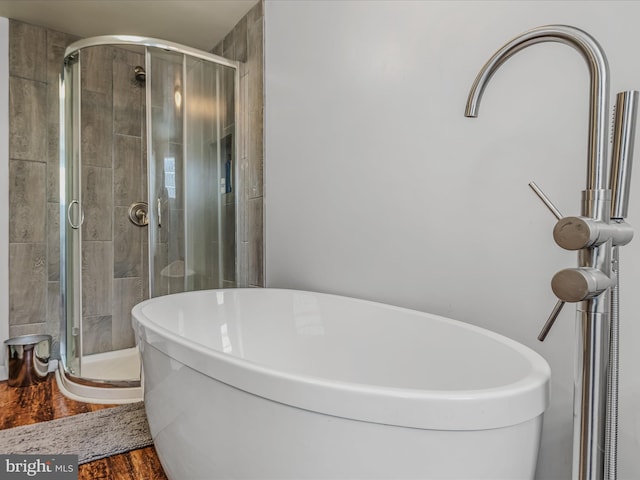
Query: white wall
x: 377, y: 186
x: 4, y: 189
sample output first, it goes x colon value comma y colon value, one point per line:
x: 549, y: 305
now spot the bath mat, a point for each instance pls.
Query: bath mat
x: 91, y: 436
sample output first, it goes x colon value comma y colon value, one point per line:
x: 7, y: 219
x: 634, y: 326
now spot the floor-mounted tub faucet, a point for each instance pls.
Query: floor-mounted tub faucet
x: 594, y: 235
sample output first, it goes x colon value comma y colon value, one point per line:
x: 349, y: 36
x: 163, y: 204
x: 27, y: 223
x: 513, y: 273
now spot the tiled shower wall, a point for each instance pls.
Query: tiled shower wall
x: 245, y: 44
x: 113, y: 248
x: 35, y: 61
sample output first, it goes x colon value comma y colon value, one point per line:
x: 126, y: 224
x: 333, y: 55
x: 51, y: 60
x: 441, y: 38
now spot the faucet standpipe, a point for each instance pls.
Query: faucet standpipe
x: 595, y: 235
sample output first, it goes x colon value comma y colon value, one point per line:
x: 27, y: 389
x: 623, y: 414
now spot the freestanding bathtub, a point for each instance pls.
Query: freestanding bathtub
x: 275, y: 384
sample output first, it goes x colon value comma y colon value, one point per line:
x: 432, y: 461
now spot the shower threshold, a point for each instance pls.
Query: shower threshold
x: 102, y: 378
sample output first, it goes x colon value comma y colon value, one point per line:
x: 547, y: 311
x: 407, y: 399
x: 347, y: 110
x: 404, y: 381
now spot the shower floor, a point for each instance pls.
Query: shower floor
x: 117, y: 365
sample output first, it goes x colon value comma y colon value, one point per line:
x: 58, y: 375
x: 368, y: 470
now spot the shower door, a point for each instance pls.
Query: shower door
x: 191, y: 183
x: 103, y: 172
x: 165, y: 140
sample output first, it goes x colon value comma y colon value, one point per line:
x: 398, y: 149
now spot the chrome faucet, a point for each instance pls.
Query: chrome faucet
x: 598, y: 89
x: 593, y: 234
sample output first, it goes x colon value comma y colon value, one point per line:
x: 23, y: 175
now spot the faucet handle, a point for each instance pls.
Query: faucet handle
x: 552, y: 208
x: 551, y: 320
x: 560, y: 303
x: 575, y: 233
x: 574, y: 285
x: 578, y: 284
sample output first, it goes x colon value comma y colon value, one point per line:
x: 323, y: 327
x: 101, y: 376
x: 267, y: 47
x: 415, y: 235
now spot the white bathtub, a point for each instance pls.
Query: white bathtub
x: 271, y: 384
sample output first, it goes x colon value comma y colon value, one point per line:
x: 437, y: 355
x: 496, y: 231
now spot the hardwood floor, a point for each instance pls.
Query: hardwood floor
x: 43, y: 402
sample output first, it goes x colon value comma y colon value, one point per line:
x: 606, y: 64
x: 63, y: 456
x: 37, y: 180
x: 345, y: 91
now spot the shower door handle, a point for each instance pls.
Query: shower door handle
x: 159, y: 213
x: 75, y: 226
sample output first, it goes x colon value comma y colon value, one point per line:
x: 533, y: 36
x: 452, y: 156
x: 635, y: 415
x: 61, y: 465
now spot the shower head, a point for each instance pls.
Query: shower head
x: 140, y: 74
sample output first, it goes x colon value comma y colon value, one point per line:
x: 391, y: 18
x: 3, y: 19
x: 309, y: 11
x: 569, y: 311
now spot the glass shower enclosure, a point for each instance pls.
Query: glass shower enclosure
x: 148, y: 204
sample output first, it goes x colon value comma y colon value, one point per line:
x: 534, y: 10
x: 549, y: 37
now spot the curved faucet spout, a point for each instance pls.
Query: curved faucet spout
x: 599, y: 87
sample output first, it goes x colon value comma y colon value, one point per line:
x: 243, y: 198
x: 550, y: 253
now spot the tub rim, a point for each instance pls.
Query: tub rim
x: 479, y: 409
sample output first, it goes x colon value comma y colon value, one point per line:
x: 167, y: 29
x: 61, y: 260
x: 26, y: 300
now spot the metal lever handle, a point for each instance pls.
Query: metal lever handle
x: 159, y: 213
x: 556, y: 310
x: 551, y: 320
x: 552, y: 208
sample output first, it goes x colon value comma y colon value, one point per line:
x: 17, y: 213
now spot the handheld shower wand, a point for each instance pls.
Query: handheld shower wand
x: 622, y: 152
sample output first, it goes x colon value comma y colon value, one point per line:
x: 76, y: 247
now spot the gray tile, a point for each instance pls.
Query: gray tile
x: 229, y: 242
x: 229, y: 46
x: 53, y: 242
x: 227, y: 89
x: 240, y: 40
x: 53, y: 123
x: 97, y: 201
x: 27, y: 51
x: 127, y: 100
x: 27, y: 283
x: 57, y: 42
x: 97, y: 126
x: 127, y: 245
x: 127, y: 166
x: 255, y: 155
x: 27, y: 329
x: 53, y: 182
x: 97, y: 68
x: 217, y: 50
x: 53, y: 314
x: 56, y: 45
x: 255, y: 46
x: 97, y: 276
x: 145, y: 268
x: 144, y: 167
x: 122, y: 55
x: 53, y: 143
x: 256, y: 91
x: 255, y: 14
x: 27, y: 201
x: 255, y: 244
x: 28, y: 125
x: 96, y: 334
x: 243, y: 129
x: 127, y: 292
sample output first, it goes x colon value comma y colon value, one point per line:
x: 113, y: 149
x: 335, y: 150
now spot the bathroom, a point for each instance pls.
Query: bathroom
x: 377, y: 187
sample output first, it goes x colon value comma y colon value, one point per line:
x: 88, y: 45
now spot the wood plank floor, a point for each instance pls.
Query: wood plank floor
x: 43, y: 402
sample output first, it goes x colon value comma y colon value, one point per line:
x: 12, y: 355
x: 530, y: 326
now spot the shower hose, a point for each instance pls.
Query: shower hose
x: 611, y: 430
